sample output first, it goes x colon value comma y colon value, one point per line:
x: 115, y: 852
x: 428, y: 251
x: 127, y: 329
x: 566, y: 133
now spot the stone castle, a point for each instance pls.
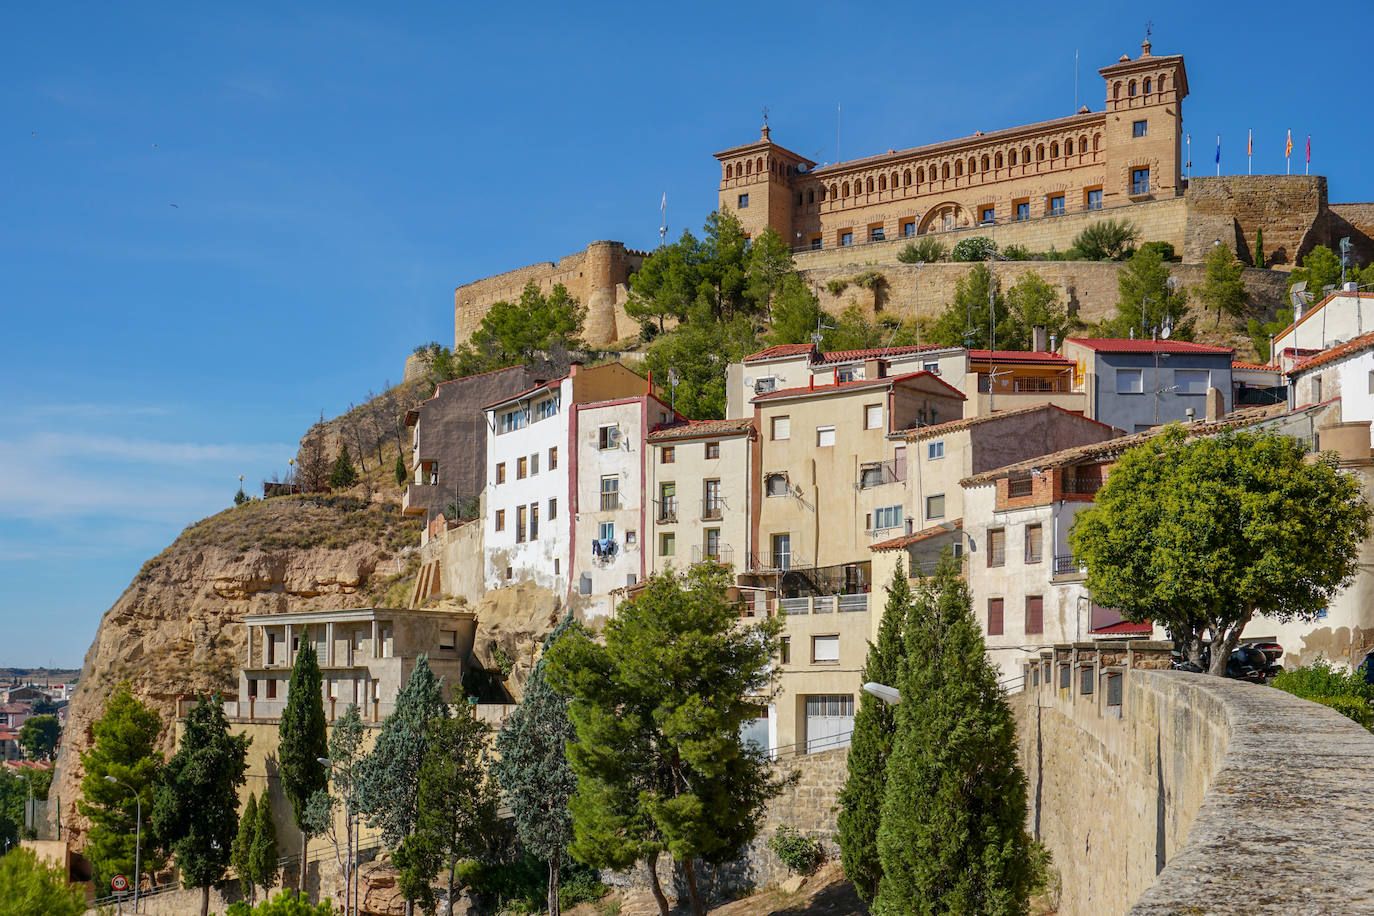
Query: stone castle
x: 1037, y: 185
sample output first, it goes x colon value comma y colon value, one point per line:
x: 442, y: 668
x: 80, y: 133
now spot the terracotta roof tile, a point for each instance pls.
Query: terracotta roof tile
x: 1255, y: 367
x: 1019, y: 356
x: 844, y: 356
x: 1128, y: 345
x: 693, y: 429
x: 953, y: 426
x: 1336, y: 353
x: 907, y: 540
x: 780, y: 351
x: 855, y: 385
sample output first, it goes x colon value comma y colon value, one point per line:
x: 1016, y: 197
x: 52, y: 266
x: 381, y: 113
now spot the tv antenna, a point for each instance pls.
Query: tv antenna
x: 673, y: 379
x: 821, y: 327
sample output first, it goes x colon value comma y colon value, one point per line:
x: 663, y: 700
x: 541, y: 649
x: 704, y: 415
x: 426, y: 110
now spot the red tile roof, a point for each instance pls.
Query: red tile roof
x: 1124, y: 627
x: 693, y: 429
x: 1019, y: 356
x: 856, y: 385
x: 1255, y: 367
x: 907, y: 540
x: 1128, y: 345
x: 845, y: 356
x: 551, y: 385
x: 951, y: 426
x: 1336, y: 353
x: 780, y: 351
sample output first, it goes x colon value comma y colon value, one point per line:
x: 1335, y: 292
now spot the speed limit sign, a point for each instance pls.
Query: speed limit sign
x: 119, y: 884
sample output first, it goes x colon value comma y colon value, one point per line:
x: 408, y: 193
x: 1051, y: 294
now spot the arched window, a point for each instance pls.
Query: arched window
x: 1083, y: 144
x: 1068, y: 147
x: 1097, y: 142
x: 1160, y: 85
x: 1147, y: 85
x: 834, y: 192
x: 811, y: 196
x: 869, y: 185
x: 1054, y: 150
x: 972, y: 165
x: 986, y: 163
x: 760, y: 164
x: 1130, y: 88
x: 748, y: 168
x: 1116, y: 89
x: 894, y: 181
x: 920, y: 174
x: 1025, y: 155
x: 958, y: 168
x: 944, y: 170
x: 998, y: 160
x: 906, y: 178
x: 882, y: 182
x: 846, y: 189
x: 1012, y: 154
x: 1040, y: 152
x: 729, y: 172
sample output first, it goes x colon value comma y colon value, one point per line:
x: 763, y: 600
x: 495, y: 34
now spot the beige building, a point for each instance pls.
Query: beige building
x: 1128, y: 153
x: 1008, y: 379
x: 1337, y: 318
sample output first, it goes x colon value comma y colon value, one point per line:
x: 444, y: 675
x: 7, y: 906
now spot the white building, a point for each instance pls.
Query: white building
x: 528, y: 526
x: 1339, y: 317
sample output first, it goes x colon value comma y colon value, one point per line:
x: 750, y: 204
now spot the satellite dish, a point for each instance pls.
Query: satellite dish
x: 673, y: 378
x: 1165, y: 331
x: 748, y: 381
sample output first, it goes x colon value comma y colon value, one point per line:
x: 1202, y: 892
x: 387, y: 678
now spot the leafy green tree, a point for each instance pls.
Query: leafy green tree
x: 345, y: 753
x: 1259, y: 332
x: 974, y: 248
x: 39, y: 736
x: 301, y: 742
x: 1321, y: 268
x: 388, y: 778
x: 699, y: 352
x: 241, y: 852
x: 29, y: 887
x: 1108, y: 240
x: 511, y: 334
x: 661, y: 765
x: 722, y: 266
x: 927, y: 250
x: 796, y: 314
x: 343, y: 475
x: 284, y: 904
x: 875, y: 724
x: 1032, y: 301
x: 769, y: 267
x: 965, y: 321
x: 125, y: 748
x: 196, y: 804
x: 262, y: 855
x: 1146, y: 296
x: 1222, y: 288
x: 1204, y: 535
x: 1259, y: 247
x: 456, y: 810
x: 533, y: 770
x: 952, y: 837
x: 665, y: 286
x: 401, y: 472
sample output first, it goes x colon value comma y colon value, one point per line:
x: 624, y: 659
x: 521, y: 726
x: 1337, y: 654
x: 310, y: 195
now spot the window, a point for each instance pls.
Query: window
x: 667, y: 502
x: 448, y: 639
x: 935, y: 450
x: 545, y: 409
x: 1138, y: 128
x: 775, y: 484
x: 825, y: 436
x: 521, y: 522
x: 1371, y: 381
x: 513, y: 420
x: 825, y: 649
x: 909, y: 227
x: 1057, y: 205
x: 846, y: 238
x: 1147, y: 85
x: 713, y: 450
x: 994, y: 616
x: 608, y: 437
x: 997, y: 547
x: 1140, y: 181
x: 987, y: 216
x: 610, y: 492
x: 1023, y: 210
x: 887, y: 517
x: 500, y: 519
x: 1317, y: 389
x: 667, y: 545
x: 785, y: 656
x: 508, y: 573
x: 711, y: 501
x: 553, y: 509
x: 534, y: 521
x: 935, y: 506
x: 847, y: 374
x: 816, y: 243
x: 584, y: 584
x: 932, y: 368
x: 782, y: 551
x: 1191, y: 381
x: 1035, y: 543
x: 1035, y: 614
x: 765, y: 384
x: 1129, y: 381
x: 873, y: 416
x: 553, y: 458
x: 501, y: 472
x: 875, y: 234
x: 555, y: 566
x: 534, y: 464
x: 870, y: 476
x: 667, y: 455
x: 781, y: 428
x: 1095, y: 199
x: 522, y: 468
x: 743, y: 201
x: 272, y: 689
x: 606, y: 531
x: 711, y: 543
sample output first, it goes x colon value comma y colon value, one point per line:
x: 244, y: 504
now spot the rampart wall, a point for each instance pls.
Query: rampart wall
x: 1195, y: 795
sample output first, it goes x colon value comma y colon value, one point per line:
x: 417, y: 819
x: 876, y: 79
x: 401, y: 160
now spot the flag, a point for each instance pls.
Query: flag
x: 1218, y: 149
x: 1288, y: 148
x: 1309, y: 147
x: 1250, y: 143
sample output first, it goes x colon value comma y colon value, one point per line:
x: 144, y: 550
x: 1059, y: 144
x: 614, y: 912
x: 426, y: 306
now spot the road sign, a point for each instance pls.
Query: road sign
x: 119, y: 884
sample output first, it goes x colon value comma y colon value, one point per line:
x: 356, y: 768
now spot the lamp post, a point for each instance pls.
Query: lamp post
x: 350, y: 841
x: 889, y: 695
x: 138, y: 835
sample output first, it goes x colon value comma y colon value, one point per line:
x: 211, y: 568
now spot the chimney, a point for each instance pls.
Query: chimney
x: 813, y: 381
x: 1054, y: 346
x: 1038, y: 338
x: 573, y: 367
x: 1216, y: 405
x: 1191, y: 414
x: 875, y: 368
x: 650, y: 390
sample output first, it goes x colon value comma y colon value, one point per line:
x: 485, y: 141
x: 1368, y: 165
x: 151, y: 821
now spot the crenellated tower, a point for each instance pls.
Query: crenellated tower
x: 1144, y: 127
x: 756, y: 184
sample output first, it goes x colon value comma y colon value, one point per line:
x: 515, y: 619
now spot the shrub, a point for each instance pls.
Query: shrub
x: 801, y: 854
x: 869, y: 279
x: 1108, y: 240
x: 974, y: 248
x: 1017, y: 253
x: 1351, y: 707
x: 521, y: 886
x: 286, y: 903
x: 1165, y: 249
x: 1321, y: 682
x: 927, y: 250
x: 836, y: 286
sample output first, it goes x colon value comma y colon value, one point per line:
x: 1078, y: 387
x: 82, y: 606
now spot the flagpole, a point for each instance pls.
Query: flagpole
x: 1218, y: 155
x: 1190, y: 158
x: 1288, y: 154
x: 1250, y: 152
x: 1307, y: 169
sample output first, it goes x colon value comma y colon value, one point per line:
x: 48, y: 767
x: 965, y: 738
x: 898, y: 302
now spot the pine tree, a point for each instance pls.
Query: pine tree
x: 1259, y: 247
x: 532, y: 767
x: 875, y: 725
x: 239, y: 855
x: 301, y: 742
x: 262, y: 855
x: 31, y: 887
x: 953, y: 837
x: 344, y: 474
x: 196, y: 805
x: 125, y: 748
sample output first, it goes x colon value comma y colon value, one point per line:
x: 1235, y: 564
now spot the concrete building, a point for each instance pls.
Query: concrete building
x: 610, y: 507
x: 1344, y: 373
x: 365, y: 656
x: 1001, y: 380
x: 449, y: 439
x: 528, y: 528
x: 1136, y: 384
x: 1340, y: 316
x: 1255, y: 384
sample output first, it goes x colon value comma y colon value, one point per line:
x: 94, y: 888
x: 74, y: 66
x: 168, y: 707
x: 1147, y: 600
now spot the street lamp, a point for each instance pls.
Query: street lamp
x: 351, y: 841
x: 889, y: 695
x: 138, y: 835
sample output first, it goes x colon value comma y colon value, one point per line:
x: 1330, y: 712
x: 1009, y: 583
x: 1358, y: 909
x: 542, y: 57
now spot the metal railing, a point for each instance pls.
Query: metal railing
x: 723, y: 554
x: 1066, y: 565
x: 825, y: 604
x: 712, y: 509
x: 1019, y: 486
x: 878, y: 473
x: 1040, y: 385
x: 610, y: 501
x: 667, y: 509
x: 1082, y: 485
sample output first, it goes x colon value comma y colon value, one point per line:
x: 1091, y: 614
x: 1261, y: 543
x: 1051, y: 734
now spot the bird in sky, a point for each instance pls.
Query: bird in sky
x: 174, y: 205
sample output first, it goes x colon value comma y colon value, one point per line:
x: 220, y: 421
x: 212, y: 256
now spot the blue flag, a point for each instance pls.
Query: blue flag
x: 1218, y: 149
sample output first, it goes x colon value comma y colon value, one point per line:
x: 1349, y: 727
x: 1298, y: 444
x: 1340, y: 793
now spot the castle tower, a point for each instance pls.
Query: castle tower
x: 1144, y: 127
x: 756, y: 184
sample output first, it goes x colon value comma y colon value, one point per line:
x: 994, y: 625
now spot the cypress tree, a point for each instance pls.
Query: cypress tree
x: 343, y: 475
x: 533, y: 769
x: 875, y: 724
x: 1259, y: 247
x: 262, y: 855
x: 953, y: 837
x: 401, y: 473
x: 301, y: 742
x: 239, y: 855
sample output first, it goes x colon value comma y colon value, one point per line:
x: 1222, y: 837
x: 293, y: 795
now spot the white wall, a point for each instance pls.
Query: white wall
x: 625, y: 463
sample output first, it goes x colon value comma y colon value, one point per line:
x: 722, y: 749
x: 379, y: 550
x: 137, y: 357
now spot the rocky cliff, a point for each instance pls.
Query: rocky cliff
x: 177, y: 629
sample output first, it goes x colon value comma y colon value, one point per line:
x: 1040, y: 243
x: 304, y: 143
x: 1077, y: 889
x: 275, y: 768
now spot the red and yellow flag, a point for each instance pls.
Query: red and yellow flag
x: 1288, y: 150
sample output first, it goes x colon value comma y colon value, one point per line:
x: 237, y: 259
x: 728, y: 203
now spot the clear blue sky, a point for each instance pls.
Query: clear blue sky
x: 337, y: 170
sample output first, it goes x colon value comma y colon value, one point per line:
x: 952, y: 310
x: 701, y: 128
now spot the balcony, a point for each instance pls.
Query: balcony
x: 825, y: 604
x: 417, y: 498
x: 712, y: 509
x: 722, y: 554
x: 1065, y: 566
x: 667, y: 511
x: 610, y: 501
x: 877, y: 473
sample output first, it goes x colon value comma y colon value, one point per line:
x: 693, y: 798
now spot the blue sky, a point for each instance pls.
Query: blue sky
x: 337, y: 170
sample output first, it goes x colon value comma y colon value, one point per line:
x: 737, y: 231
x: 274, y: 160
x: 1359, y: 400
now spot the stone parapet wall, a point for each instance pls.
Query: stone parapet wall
x: 1196, y: 795
x: 1356, y: 222
x: 1291, y: 209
